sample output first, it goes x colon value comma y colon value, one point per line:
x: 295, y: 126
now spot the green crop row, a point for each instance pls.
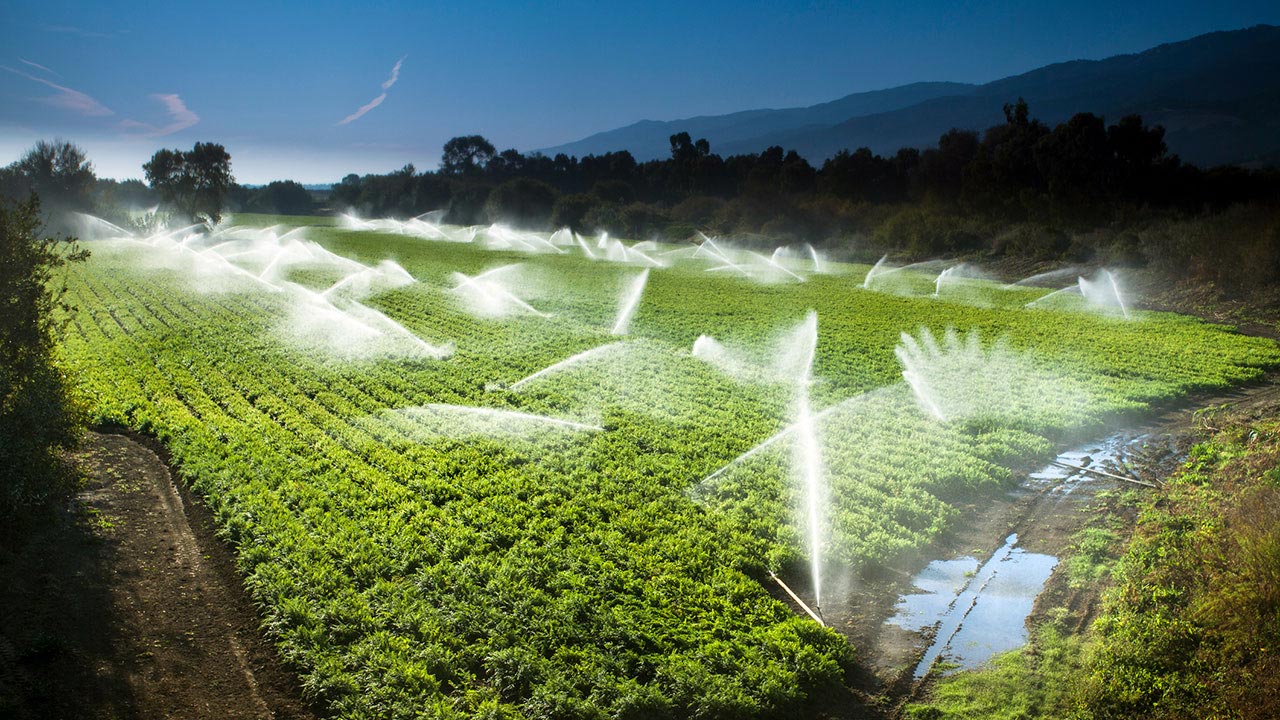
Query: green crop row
x: 410, y: 562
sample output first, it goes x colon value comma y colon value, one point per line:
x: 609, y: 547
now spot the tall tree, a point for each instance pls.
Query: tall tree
x: 522, y: 202
x: 466, y: 154
x: 58, y: 172
x: 282, y: 197
x: 195, y: 181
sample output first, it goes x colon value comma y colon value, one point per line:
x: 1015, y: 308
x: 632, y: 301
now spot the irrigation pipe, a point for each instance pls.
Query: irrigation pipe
x: 801, y: 603
x: 1101, y: 473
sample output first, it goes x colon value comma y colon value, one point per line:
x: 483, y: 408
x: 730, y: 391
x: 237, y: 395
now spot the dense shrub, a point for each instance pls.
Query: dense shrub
x: 38, y: 421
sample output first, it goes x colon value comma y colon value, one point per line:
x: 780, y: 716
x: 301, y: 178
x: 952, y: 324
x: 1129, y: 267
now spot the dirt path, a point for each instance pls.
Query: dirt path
x: 127, y: 606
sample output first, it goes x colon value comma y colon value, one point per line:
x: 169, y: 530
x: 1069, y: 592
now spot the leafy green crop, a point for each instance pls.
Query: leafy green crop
x: 409, y: 564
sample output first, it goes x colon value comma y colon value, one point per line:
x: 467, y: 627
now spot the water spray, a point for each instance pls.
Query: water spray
x: 807, y: 452
x: 630, y: 301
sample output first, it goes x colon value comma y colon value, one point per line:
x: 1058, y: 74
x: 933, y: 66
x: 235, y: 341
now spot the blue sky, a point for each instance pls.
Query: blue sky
x: 273, y: 81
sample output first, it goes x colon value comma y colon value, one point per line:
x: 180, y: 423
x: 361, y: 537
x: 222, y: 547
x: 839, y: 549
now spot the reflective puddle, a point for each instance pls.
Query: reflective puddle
x: 979, y: 610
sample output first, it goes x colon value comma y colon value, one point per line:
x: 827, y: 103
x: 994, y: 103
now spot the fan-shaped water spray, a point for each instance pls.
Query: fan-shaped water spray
x: 1103, y: 291
x: 494, y: 420
x: 586, y: 249
x: 817, y: 260
x: 942, y: 278
x: 630, y: 301
x: 1068, y: 290
x: 772, y: 264
x: 92, y: 227
x: 434, y: 217
x: 562, y: 237
x: 386, y: 275
x: 709, y: 350
x: 808, y: 452
x: 1048, y: 276
x: 569, y: 362
x: 488, y: 297
x: 873, y: 272
x: 513, y: 415
x: 913, y: 358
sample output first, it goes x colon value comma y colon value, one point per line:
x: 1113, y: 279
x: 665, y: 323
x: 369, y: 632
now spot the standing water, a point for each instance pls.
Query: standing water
x: 978, y: 611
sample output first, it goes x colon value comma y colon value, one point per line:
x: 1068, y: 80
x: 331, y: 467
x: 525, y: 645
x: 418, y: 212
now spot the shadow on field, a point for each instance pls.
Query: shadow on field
x: 124, y: 604
x: 59, y: 636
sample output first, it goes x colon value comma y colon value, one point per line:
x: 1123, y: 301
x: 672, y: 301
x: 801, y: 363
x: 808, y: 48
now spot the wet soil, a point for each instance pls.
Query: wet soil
x: 1045, y: 520
x: 124, y: 604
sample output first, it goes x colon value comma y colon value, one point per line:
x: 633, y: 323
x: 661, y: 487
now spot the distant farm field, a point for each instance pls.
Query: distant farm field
x: 438, y: 520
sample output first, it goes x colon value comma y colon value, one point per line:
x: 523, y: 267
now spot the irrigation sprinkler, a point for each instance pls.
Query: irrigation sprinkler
x: 817, y: 616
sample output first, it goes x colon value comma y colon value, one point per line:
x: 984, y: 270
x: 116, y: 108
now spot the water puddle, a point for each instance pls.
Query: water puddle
x: 979, y: 611
x: 1071, y: 469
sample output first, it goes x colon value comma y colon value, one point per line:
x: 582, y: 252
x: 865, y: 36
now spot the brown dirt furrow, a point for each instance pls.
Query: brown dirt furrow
x: 126, y: 605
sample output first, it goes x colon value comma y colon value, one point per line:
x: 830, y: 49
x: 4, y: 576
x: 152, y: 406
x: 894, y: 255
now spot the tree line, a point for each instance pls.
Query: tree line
x: 1081, y: 172
x: 191, y: 185
x: 1083, y: 190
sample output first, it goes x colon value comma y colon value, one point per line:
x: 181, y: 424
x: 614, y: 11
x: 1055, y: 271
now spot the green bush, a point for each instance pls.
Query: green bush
x: 38, y: 420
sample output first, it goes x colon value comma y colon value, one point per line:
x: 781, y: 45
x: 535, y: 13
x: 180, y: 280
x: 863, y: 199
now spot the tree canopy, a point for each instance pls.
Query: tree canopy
x: 195, y: 182
x: 465, y: 155
x: 58, y: 172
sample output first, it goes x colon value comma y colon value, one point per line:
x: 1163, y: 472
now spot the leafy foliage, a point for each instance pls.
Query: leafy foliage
x: 196, y: 181
x: 1192, y: 627
x: 38, y: 420
x: 405, y: 565
x: 1037, y: 681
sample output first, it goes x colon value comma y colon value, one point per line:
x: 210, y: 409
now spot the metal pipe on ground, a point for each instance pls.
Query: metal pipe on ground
x: 816, y: 617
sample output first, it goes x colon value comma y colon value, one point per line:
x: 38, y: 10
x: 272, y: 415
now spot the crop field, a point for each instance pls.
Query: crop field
x: 472, y: 472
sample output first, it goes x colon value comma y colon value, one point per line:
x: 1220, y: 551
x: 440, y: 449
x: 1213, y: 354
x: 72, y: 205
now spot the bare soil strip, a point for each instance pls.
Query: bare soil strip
x: 126, y: 605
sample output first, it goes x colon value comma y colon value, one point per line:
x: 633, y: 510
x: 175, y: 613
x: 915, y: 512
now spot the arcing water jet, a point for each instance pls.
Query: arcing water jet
x: 567, y: 362
x: 807, y: 453
x: 630, y: 301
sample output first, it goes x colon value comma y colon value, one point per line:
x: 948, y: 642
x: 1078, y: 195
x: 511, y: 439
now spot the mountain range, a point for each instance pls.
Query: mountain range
x: 1217, y: 95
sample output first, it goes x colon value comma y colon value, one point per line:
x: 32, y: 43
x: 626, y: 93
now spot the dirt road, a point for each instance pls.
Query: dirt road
x: 125, y: 605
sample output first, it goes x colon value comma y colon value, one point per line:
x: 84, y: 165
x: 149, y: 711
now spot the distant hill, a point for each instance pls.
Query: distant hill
x: 1218, y: 96
x: 650, y: 139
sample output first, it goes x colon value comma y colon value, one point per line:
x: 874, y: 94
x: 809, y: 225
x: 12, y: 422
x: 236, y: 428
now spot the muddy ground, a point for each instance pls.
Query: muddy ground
x: 1045, y: 522
x: 125, y: 605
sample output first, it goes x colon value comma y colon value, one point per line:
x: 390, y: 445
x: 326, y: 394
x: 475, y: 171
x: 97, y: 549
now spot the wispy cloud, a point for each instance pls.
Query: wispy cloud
x: 37, y: 66
x: 66, y: 98
x: 363, y: 109
x: 180, y: 118
x: 386, y: 85
x: 72, y: 30
x: 395, y: 74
